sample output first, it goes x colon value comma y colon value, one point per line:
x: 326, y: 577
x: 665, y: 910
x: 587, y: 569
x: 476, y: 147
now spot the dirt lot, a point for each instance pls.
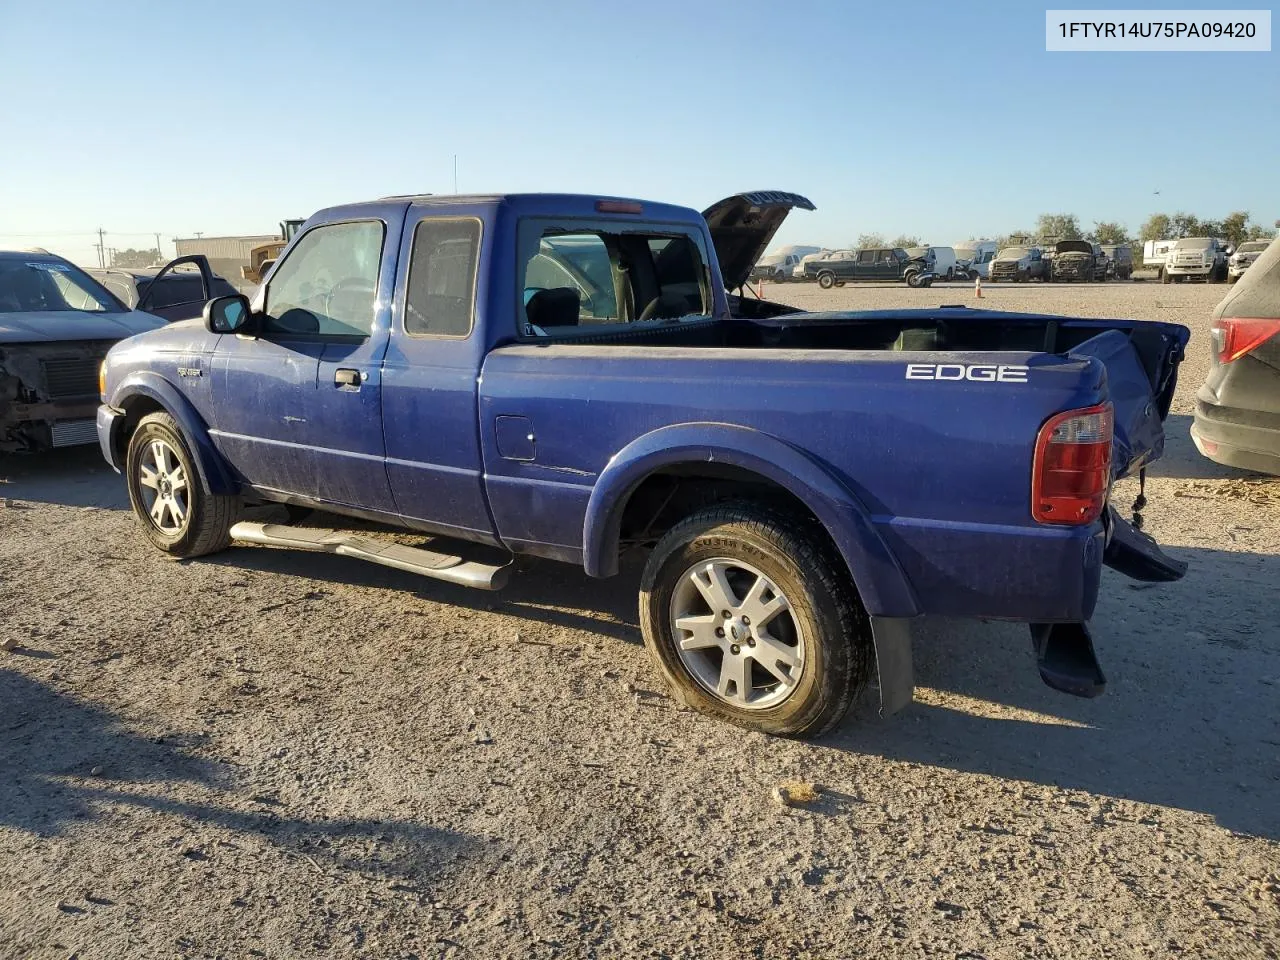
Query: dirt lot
x: 271, y: 755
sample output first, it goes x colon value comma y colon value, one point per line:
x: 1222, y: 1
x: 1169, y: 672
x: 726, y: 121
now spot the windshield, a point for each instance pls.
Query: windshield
x: 31, y: 284
x: 771, y: 259
x: 965, y: 253
x: 1254, y: 246
x: 1013, y: 253
x: 1193, y: 243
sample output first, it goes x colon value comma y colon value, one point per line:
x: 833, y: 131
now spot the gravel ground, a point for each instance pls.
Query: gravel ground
x: 263, y: 754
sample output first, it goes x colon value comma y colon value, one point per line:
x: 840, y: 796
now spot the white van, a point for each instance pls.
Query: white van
x: 781, y: 263
x: 974, y: 257
x: 943, y: 259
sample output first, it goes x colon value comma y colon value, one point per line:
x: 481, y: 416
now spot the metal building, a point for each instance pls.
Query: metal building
x: 226, y: 254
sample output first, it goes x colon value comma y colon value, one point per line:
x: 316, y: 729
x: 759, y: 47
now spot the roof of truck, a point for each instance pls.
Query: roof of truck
x: 564, y: 204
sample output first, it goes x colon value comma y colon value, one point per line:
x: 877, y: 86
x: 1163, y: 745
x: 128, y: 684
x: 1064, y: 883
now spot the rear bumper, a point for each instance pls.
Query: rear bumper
x: 1236, y: 437
x: 110, y: 421
x: 1038, y: 574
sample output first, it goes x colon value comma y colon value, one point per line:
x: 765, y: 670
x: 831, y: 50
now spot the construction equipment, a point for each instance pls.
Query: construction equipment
x: 263, y: 257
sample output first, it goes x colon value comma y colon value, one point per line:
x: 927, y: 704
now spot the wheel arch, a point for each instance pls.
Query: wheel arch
x: 143, y: 393
x: 744, y: 453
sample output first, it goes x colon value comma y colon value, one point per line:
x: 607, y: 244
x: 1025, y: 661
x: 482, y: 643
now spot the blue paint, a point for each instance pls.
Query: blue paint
x: 923, y: 486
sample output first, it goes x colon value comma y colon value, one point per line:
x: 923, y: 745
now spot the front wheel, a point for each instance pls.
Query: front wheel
x: 913, y: 278
x: 751, y: 617
x: 174, y: 511
x: 826, y: 280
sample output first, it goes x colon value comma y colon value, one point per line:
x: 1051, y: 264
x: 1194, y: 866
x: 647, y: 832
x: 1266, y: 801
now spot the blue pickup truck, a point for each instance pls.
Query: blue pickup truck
x: 571, y: 377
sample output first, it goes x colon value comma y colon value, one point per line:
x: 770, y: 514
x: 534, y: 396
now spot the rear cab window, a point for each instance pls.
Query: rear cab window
x: 579, y: 275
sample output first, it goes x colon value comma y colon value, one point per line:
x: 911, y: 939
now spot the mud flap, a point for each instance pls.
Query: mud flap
x: 1137, y: 555
x: 1064, y: 654
x: 892, y: 637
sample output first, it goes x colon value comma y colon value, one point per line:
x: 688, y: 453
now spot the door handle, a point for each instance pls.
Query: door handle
x: 344, y: 377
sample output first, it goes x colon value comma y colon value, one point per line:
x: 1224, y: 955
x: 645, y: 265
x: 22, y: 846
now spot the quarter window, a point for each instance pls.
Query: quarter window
x: 442, y: 278
x: 329, y: 282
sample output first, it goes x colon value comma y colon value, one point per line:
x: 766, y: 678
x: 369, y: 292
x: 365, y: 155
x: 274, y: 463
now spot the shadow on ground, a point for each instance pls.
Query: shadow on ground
x: 1189, y: 719
x: 62, y: 762
x: 72, y: 476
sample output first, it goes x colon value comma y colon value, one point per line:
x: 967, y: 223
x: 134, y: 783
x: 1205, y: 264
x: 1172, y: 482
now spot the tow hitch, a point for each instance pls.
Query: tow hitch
x: 1064, y: 654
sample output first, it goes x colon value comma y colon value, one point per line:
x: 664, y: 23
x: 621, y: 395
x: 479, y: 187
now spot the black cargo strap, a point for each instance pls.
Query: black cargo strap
x: 1141, y: 501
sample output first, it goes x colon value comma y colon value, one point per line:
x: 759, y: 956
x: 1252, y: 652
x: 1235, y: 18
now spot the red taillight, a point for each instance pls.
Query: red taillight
x: 1236, y: 336
x: 619, y: 206
x: 1072, y: 470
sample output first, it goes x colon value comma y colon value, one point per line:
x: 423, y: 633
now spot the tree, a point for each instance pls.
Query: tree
x: 1235, y: 227
x: 1108, y: 232
x: 869, y: 240
x: 1157, y: 227
x: 134, y: 258
x: 1258, y: 232
x: 1063, y: 226
x: 1014, y: 238
x: 904, y: 240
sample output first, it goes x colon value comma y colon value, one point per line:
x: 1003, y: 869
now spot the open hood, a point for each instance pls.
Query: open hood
x: 1074, y: 246
x: 742, y: 226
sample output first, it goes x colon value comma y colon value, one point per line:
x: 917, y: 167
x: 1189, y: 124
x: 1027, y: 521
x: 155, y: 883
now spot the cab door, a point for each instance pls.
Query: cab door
x: 865, y: 266
x: 299, y: 404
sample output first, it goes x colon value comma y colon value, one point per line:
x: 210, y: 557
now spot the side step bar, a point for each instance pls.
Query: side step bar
x: 426, y: 563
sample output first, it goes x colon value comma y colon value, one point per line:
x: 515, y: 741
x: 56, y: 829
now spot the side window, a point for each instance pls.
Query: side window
x: 867, y: 256
x: 887, y: 257
x: 329, y: 282
x: 442, y: 278
x: 173, y: 291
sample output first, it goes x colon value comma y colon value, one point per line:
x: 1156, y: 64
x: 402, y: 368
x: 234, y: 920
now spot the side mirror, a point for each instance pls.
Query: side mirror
x: 227, y: 314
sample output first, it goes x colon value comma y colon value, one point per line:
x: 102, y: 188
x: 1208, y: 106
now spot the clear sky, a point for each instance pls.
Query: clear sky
x: 945, y: 120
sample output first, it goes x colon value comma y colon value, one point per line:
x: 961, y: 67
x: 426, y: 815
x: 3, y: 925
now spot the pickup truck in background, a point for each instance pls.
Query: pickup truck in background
x: 866, y: 266
x: 1017, y: 264
x: 567, y: 377
x: 1196, y: 258
x: 1075, y: 260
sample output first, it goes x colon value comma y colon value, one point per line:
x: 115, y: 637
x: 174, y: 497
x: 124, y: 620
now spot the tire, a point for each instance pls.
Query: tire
x: 826, y: 280
x: 822, y: 626
x: 1232, y: 278
x: 973, y: 276
x: 913, y: 278
x: 1164, y: 277
x: 927, y: 282
x: 190, y: 522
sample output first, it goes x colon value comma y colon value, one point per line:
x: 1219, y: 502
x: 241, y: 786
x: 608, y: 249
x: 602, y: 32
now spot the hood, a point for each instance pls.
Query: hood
x: 50, y: 326
x: 741, y: 227
x: 1073, y: 246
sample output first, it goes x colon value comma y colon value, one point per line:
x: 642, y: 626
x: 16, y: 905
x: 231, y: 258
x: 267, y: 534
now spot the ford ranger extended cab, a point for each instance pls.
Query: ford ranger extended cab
x: 569, y: 377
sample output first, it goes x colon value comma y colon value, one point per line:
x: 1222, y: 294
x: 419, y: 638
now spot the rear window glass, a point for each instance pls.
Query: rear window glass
x: 442, y: 278
x: 602, y: 274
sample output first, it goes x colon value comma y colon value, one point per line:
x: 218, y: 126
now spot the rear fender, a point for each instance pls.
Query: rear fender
x: 214, y: 475
x: 876, y: 574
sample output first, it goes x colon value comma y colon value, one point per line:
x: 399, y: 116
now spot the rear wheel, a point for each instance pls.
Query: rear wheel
x: 751, y: 617
x: 826, y: 280
x: 174, y: 511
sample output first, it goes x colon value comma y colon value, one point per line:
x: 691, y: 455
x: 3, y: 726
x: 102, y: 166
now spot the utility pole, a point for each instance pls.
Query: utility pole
x: 199, y: 234
x: 102, y: 253
x: 159, y: 255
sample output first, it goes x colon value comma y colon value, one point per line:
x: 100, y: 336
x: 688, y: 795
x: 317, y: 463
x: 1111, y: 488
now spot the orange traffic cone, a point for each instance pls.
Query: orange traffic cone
x: 760, y: 289
x: 977, y: 286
